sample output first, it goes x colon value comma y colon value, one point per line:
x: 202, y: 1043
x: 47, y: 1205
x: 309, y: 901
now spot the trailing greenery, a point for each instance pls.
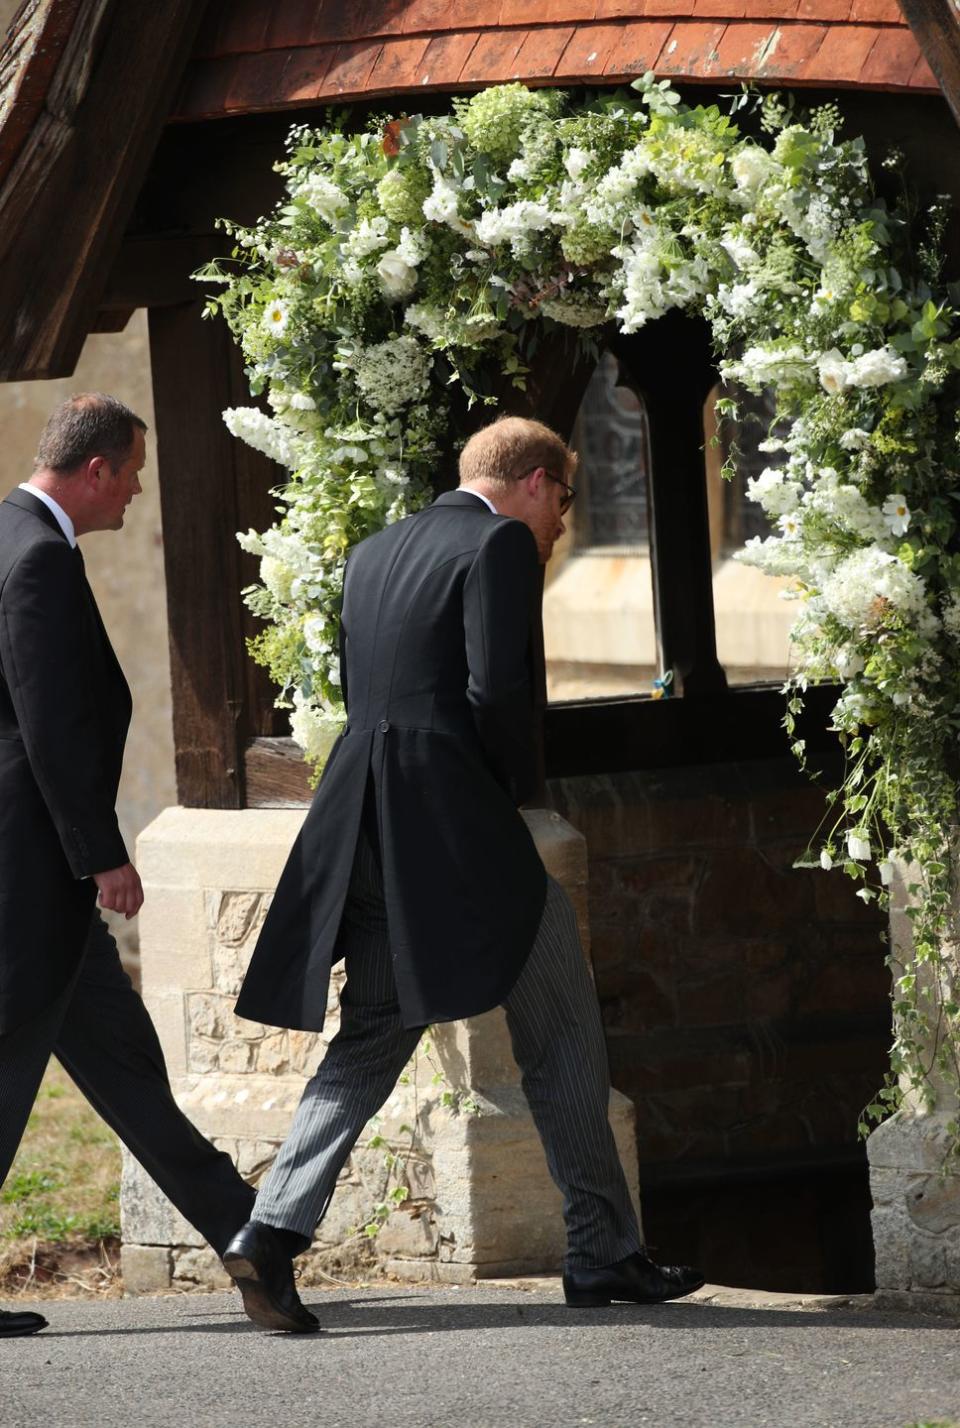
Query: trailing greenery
x: 430, y: 251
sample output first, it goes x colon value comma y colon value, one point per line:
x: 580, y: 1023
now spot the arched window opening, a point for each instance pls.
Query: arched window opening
x: 599, y: 627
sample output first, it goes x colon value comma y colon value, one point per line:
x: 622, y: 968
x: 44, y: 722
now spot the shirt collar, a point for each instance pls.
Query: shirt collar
x: 63, y: 520
x: 481, y: 497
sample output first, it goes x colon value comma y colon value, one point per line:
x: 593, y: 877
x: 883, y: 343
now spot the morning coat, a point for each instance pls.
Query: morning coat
x: 64, y: 711
x: 436, y: 669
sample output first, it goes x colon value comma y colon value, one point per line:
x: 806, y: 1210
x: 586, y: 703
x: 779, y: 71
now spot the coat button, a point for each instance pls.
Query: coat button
x: 384, y: 726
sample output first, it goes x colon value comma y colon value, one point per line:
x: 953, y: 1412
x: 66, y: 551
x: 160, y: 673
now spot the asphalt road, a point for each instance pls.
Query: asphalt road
x: 477, y: 1358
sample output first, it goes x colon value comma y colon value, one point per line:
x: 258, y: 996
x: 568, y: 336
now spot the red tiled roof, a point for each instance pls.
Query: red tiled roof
x: 253, y: 57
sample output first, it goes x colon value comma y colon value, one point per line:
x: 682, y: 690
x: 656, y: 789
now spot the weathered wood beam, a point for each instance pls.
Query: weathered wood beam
x: 210, y: 486
x: 68, y: 195
x: 936, y: 27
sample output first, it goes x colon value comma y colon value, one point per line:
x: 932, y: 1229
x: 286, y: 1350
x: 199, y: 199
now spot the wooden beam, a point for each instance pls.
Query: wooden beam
x: 936, y: 28
x: 68, y: 195
x: 210, y: 487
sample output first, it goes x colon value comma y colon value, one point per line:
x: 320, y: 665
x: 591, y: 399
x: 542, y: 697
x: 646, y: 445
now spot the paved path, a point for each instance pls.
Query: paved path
x: 505, y: 1357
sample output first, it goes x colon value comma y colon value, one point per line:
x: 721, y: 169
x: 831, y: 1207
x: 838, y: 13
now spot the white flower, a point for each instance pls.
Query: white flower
x: 518, y: 170
x: 323, y: 196
x: 833, y: 371
x: 262, y: 432
x: 858, y: 847
x: 576, y: 160
x: 398, y: 278
x: 868, y: 582
x: 826, y: 862
x: 875, y: 369
x: 751, y: 167
x: 442, y: 206
x: 301, y: 402
x: 739, y: 249
x: 855, y: 439
x: 896, y: 513
x: 394, y: 373
x: 848, y: 662
x: 886, y: 868
x: 276, y: 315
x: 773, y: 492
x: 791, y: 526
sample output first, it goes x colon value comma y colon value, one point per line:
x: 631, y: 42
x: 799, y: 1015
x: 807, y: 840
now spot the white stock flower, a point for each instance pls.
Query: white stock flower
x: 896, y: 513
x: 263, y: 433
x: 774, y: 492
x: 858, y: 847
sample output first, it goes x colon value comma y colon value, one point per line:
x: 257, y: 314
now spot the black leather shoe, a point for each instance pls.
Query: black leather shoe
x: 17, y: 1326
x: 264, y: 1276
x: 635, y: 1279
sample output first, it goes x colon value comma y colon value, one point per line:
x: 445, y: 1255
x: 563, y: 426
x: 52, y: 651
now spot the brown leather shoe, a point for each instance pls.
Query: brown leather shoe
x: 636, y: 1280
x: 17, y: 1326
x: 264, y: 1275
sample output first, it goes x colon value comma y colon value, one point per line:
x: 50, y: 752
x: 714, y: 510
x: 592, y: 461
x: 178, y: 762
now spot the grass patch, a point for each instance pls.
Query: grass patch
x: 61, y: 1200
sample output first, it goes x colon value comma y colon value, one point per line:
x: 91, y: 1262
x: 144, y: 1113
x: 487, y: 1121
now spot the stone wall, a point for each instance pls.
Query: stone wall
x: 456, y: 1130
x: 914, y: 1176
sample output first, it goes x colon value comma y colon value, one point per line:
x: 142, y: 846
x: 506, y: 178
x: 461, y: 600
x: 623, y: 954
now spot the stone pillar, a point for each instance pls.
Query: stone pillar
x: 456, y: 1134
x: 915, y: 1187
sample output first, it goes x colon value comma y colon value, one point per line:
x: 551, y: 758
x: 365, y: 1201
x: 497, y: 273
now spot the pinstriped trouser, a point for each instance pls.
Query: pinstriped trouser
x: 557, y: 1036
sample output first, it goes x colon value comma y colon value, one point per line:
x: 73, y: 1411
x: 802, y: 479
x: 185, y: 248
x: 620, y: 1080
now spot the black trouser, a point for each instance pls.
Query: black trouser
x: 100, y: 1032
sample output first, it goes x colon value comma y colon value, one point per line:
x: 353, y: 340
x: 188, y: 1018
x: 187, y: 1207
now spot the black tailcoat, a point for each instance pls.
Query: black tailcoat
x: 64, y: 712
x: 436, y: 668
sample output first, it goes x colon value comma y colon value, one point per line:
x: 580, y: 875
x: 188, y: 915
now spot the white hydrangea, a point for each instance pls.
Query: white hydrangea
x: 875, y: 369
x: 311, y: 727
x: 752, y: 167
x: 864, y: 584
x: 323, y: 196
x: 576, y: 309
x: 442, y: 205
x: 394, y: 373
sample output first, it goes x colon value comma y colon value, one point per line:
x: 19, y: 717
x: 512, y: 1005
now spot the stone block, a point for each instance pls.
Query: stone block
x: 891, y: 1244
x: 172, y: 923
x: 928, y: 1263
x: 146, y: 1215
x: 933, y: 1204
x: 167, y: 1013
x: 146, y: 1269
x: 239, y: 850
x: 409, y: 1234
x: 199, y: 1269
x: 910, y: 1142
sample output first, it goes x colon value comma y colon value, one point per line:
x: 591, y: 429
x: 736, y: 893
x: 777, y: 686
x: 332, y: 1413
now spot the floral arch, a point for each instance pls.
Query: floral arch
x: 425, y: 259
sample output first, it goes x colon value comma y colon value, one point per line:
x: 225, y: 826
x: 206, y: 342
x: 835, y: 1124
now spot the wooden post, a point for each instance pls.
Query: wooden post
x: 210, y: 487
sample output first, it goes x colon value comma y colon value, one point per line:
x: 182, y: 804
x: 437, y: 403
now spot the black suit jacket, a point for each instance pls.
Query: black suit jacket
x: 64, y: 712
x: 436, y: 667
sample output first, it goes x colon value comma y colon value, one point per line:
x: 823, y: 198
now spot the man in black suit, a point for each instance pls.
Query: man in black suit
x: 64, y: 711
x: 415, y: 866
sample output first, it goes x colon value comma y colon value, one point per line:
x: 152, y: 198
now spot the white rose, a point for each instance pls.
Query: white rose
x: 398, y: 278
x: 833, y: 370
x: 848, y: 662
x: 576, y: 161
x: 750, y: 168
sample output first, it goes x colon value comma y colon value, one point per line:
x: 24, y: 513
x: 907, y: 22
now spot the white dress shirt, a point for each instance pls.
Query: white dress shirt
x: 63, y: 520
x: 481, y: 497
